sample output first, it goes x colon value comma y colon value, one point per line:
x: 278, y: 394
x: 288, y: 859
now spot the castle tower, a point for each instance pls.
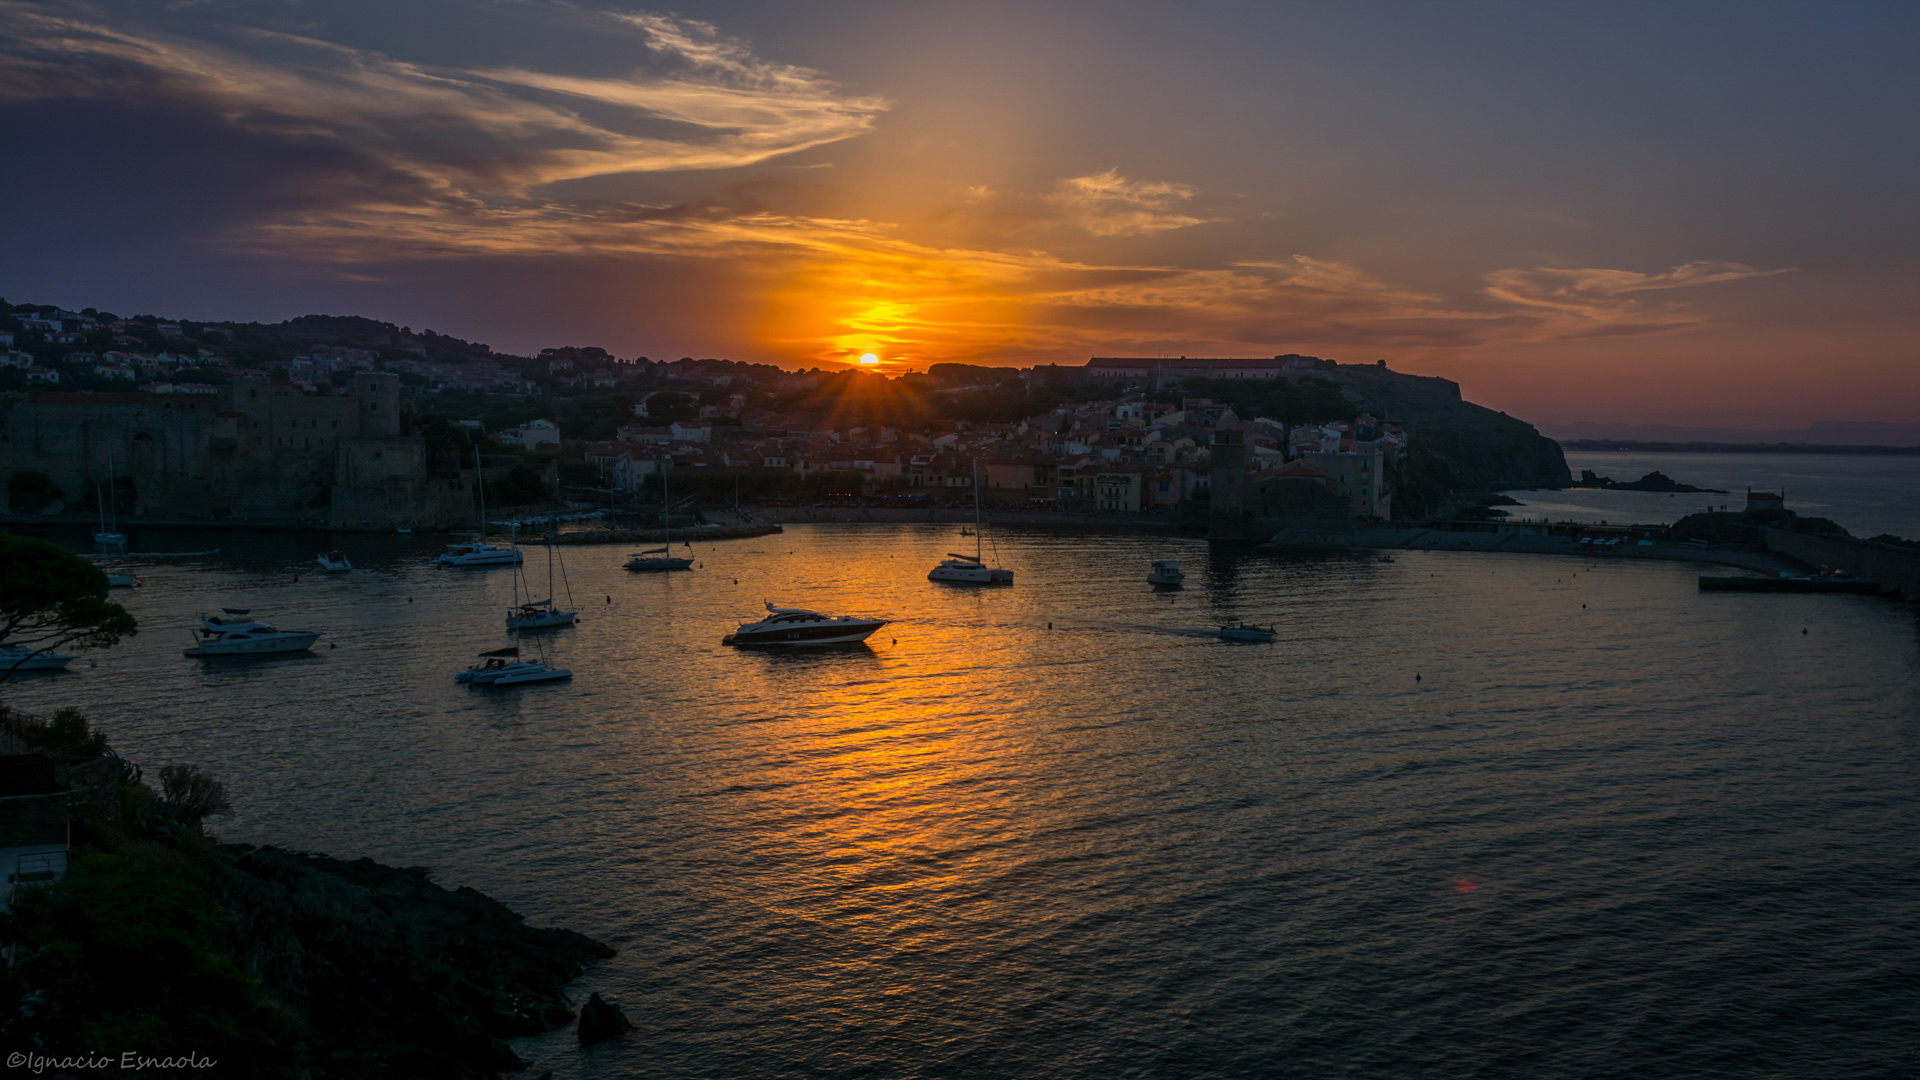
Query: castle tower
x: 1227, y: 517
x: 379, y: 395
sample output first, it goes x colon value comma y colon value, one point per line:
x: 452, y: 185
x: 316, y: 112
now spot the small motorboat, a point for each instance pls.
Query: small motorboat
x: 538, y: 615
x: 788, y: 627
x: 403, y: 530
x: 21, y: 658
x: 1246, y: 632
x: 1386, y: 558
x: 333, y: 562
x: 118, y: 581
x: 235, y: 633
x: 1165, y: 574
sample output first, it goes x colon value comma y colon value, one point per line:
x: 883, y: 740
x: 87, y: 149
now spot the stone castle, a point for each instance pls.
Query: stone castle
x: 251, y: 451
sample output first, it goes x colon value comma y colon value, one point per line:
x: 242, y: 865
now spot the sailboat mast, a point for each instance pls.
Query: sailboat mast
x: 976, y: 509
x: 480, y: 482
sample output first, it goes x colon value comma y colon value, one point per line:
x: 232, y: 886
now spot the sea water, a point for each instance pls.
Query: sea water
x: 1468, y: 816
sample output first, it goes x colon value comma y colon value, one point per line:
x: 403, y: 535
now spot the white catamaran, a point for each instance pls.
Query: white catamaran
x: 540, y: 614
x: 662, y: 557
x: 479, y: 553
x: 971, y: 569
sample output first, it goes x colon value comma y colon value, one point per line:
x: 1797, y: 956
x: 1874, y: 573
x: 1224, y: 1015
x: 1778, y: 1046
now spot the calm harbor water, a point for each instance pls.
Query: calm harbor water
x: 1616, y: 827
x: 1868, y: 494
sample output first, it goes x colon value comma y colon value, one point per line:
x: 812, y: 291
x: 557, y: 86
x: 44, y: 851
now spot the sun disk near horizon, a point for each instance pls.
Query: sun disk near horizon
x: 869, y: 359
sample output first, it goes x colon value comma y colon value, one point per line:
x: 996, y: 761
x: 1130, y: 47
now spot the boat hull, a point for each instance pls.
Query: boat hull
x: 35, y: 661
x: 658, y: 565
x: 508, y: 559
x: 970, y: 575
x: 551, y: 621
x: 522, y: 678
x: 1256, y: 636
x: 283, y: 643
x: 784, y: 637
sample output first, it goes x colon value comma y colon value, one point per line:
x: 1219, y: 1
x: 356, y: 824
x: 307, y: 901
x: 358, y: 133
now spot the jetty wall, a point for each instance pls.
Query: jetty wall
x: 1895, y: 569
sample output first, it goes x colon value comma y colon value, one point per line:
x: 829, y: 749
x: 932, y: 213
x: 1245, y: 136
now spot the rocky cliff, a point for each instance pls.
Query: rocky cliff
x: 1458, y: 445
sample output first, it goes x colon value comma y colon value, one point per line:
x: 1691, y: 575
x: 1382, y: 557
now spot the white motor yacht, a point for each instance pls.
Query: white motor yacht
x: 798, y: 626
x: 479, y: 554
x: 1165, y: 574
x: 21, y: 658
x: 333, y: 562
x: 235, y: 633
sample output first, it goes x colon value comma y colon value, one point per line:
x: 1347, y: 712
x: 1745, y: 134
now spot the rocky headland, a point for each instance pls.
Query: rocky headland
x: 271, y: 962
x: 1655, y: 481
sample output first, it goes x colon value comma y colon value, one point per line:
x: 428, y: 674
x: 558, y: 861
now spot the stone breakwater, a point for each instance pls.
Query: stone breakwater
x: 654, y: 536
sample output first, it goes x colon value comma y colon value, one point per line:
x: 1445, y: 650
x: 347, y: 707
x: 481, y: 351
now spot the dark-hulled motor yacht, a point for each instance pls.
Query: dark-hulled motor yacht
x: 797, y: 626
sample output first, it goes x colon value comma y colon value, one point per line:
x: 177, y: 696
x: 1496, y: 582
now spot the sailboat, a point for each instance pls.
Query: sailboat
x: 539, y: 614
x: 662, y: 557
x: 109, y: 537
x: 971, y: 569
x: 479, y: 553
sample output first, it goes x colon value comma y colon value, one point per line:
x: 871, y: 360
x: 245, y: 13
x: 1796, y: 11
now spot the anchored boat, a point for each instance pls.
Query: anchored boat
x: 235, y: 633
x: 972, y: 569
x: 1165, y: 574
x: 799, y: 626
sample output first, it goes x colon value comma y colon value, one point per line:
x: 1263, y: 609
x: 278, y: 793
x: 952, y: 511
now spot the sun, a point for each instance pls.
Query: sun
x: 869, y: 358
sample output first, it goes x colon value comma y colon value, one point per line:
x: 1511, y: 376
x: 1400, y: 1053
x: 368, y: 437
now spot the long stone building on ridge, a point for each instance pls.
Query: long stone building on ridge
x: 252, y: 450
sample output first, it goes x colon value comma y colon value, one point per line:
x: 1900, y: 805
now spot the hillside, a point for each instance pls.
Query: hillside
x: 1459, y: 445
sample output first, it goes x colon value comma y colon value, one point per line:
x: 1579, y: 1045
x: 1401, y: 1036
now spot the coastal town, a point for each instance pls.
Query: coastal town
x: 160, y: 420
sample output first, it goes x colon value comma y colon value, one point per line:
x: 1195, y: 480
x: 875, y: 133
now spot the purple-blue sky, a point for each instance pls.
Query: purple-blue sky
x: 1694, y: 213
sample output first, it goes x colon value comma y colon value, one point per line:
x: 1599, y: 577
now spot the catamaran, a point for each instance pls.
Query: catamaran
x: 479, y: 552
x: 662, y: 557
x: 971, y: 569
x: 539, y: 614
x: 109, y: 537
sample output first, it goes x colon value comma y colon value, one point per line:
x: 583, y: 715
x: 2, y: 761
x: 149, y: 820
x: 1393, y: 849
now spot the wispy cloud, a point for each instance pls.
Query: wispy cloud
x: 1108, y: 204
x: 459, y: 162
x: 1592, y: 302
x: 467, y: 137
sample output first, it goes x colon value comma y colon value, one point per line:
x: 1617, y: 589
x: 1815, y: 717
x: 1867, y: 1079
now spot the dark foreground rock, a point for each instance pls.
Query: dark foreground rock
x: 600, y: 1021
x: 394, y: 975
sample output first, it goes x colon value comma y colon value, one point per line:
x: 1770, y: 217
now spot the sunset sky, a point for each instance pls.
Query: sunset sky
x: 1663, y: 213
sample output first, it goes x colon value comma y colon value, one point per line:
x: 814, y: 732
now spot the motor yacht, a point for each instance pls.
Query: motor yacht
x: 538, y: 615
x: 1165, y: 574
x: 235, y: 633
x: 21, y: 658
x: 333, y: 562
x: 1245, y: 632
x: 479, y: 553
x: 799, y: 626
